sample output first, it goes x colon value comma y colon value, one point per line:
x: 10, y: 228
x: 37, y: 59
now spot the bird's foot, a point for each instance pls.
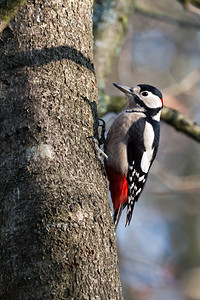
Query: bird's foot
x: 99, y: 151
x: 101, y: 132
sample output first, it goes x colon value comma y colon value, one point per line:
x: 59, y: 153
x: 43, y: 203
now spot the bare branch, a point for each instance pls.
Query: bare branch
x: 181, y: 123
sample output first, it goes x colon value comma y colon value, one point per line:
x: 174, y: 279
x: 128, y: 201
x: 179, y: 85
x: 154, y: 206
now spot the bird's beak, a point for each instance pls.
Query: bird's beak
x: 127, y: 89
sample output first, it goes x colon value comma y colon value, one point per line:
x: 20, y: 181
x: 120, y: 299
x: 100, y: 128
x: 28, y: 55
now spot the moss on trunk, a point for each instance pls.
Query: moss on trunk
x: 8, y: 9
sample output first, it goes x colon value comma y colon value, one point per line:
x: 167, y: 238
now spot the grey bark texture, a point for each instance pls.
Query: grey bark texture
x: 56, y: 232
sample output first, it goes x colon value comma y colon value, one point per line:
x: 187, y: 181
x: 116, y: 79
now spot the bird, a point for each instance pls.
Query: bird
x: 131, y: 146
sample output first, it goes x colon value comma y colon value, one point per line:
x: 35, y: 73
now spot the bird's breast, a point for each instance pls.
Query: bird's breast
x: 116, y: 142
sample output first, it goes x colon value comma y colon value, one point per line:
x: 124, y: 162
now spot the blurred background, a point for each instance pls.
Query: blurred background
x: 159, y: 253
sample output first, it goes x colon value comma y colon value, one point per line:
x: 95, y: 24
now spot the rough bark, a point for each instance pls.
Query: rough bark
x: 56, y: 232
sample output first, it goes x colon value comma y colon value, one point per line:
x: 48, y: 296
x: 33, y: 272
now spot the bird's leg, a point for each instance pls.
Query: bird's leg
x: 100, y: 152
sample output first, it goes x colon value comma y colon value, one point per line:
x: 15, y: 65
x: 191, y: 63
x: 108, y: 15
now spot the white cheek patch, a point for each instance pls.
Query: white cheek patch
x: 152, y: 101
x: 148, y: 143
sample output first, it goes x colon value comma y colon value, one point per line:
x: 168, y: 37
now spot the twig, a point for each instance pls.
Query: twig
x: 185, y: 85
x: 166, y: 19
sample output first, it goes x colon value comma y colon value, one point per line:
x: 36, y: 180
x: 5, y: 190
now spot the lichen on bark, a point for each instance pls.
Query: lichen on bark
x: 8, y: 9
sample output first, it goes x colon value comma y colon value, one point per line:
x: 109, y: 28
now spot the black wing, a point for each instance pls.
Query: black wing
x: 136, y: 151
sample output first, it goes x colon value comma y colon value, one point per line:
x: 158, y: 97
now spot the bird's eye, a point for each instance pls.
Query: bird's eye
x: 144, y: 94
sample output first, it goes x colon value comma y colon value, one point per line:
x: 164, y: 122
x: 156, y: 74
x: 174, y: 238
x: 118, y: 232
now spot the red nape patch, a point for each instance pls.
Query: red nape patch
x: 162, y: 101
x: 118, y: 187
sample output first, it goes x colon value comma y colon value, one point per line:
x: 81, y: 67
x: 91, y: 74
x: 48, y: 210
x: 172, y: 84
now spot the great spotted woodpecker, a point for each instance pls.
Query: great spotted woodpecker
x: 131, y: 146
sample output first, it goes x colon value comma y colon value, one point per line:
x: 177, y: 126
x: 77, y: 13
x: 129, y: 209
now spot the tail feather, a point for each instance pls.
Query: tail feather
x: 117, y: 214
x: 129, y: 215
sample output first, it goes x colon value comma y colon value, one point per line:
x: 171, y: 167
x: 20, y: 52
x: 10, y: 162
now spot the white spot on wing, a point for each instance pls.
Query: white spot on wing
x: 138, y: 192
x: 141, y: 178
x: 145, y: 162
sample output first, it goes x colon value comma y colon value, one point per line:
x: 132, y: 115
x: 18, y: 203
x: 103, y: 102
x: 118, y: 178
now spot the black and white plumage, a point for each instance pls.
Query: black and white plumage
x: 142, y: 146
x: 131, y: 146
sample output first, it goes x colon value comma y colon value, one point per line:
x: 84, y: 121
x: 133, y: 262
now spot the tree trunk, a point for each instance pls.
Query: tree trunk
x: 57, y: 238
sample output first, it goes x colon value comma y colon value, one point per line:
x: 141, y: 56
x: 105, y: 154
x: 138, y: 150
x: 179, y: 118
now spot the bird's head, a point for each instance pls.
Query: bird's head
x: 145, y: 96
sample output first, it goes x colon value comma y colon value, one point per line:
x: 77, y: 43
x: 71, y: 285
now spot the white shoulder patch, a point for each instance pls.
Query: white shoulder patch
x: 148, y: 143
x: 145, y: 163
